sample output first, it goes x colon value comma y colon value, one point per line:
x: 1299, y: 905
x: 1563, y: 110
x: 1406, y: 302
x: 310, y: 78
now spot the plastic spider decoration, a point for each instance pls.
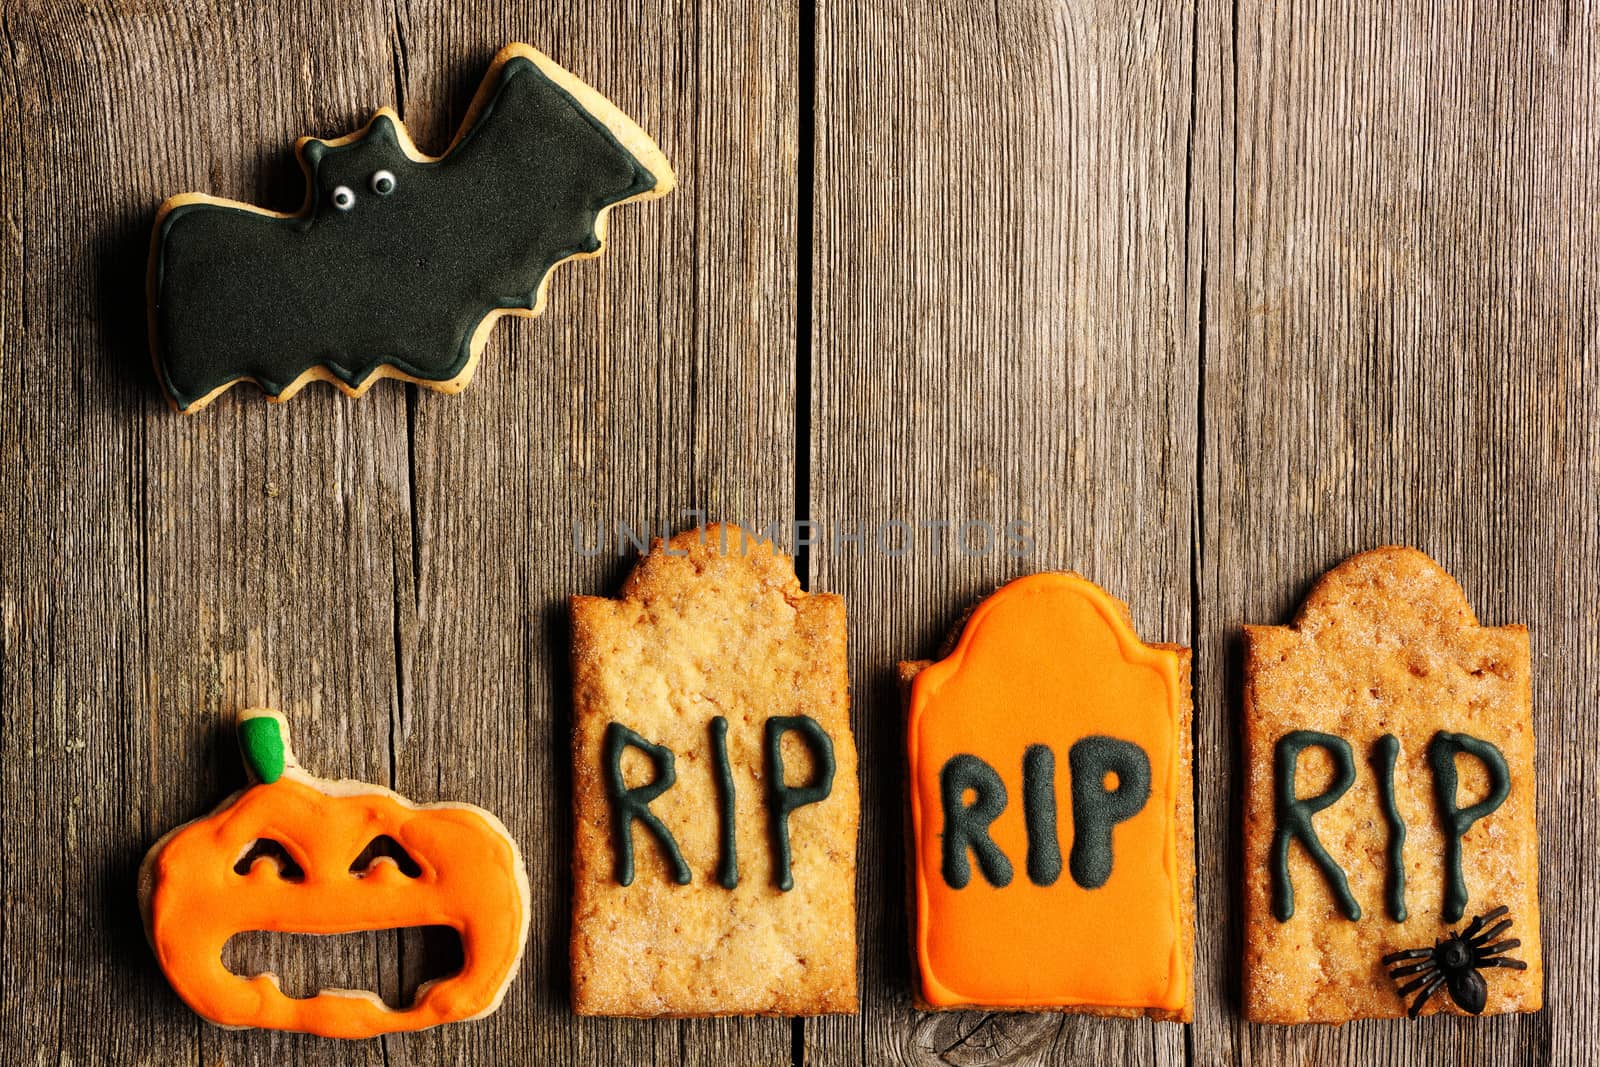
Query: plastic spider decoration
x: 1454, y: 962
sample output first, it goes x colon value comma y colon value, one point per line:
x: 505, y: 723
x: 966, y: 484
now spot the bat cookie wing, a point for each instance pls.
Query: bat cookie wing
x: 398, y: 264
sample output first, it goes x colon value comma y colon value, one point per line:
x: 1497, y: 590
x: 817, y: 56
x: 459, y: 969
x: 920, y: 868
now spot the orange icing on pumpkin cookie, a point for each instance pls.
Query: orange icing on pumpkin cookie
x: 1015, y: 739
x: 471, y: 878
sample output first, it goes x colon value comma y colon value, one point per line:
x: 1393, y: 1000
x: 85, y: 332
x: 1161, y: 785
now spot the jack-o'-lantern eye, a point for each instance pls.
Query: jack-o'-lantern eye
x: 266, y: 850
x: 384, y: 848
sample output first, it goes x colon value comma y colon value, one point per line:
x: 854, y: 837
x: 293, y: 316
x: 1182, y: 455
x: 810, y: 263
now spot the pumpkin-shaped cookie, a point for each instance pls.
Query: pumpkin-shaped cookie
x: 468, y: 876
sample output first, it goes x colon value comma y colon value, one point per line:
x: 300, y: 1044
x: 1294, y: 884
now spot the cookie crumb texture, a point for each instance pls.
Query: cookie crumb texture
x: 1386, y: 643
x: 712, y: 624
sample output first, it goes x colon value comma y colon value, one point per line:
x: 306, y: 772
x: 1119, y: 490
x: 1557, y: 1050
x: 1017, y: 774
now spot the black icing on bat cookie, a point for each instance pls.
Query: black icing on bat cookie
x: 398, y: 264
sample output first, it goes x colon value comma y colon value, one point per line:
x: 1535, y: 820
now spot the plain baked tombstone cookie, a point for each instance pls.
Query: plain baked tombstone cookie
x: 714, y: 780
x: 1051, y: 810
x: 1391, y: 856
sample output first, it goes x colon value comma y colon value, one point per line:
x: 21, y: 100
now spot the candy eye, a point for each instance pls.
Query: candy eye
x: 383, y: 183
x: 343, y: 198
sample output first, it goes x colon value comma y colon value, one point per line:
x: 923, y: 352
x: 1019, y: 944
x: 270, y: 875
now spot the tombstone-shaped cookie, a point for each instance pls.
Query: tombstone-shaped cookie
x: 714, y: 782
x: 1391, y: 857
x: 1052, y: 846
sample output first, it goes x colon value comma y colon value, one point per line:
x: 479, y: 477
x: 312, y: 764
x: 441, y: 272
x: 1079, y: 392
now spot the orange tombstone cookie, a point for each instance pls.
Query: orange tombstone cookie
x: 1052, y: 845
x: 199, y: 886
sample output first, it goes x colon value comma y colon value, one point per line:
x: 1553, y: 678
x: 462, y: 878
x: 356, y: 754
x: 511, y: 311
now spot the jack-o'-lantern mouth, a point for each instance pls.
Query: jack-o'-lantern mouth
x: 396, y: 965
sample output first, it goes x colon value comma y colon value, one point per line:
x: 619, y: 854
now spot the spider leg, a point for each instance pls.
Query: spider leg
x: 1498, y: 947
x: 1408, y: 954
x: 1490, y: 934
x: 1416, y: 984
x: 1414, y: 968
x: 1501, y: 961
x: 1422, y: 997
x: 1483, y: 920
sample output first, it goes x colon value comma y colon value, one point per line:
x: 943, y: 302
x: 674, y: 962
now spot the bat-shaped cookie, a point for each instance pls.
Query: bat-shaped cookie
x: 398, y: 264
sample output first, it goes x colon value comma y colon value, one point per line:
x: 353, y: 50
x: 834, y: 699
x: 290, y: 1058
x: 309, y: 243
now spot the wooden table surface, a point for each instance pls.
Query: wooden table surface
x: 1209, y: 295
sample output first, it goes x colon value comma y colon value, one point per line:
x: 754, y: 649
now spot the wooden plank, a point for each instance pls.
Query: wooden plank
x: 1400, y: 324
x: 390, y: 571
x: 167, y: 571
x: 1002, y: 331
x: 660, y: 379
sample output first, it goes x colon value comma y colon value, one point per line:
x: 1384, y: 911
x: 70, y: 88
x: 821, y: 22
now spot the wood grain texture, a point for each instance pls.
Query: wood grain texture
x: 1002, y: 331
x: 1210, y: 295
x: 661, y: 371
x: 1400, y: 346
x: 392, y: 572
x: 160, y: 572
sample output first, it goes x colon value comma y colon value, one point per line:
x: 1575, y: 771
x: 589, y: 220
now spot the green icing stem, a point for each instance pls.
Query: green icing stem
x: 261, y: 741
